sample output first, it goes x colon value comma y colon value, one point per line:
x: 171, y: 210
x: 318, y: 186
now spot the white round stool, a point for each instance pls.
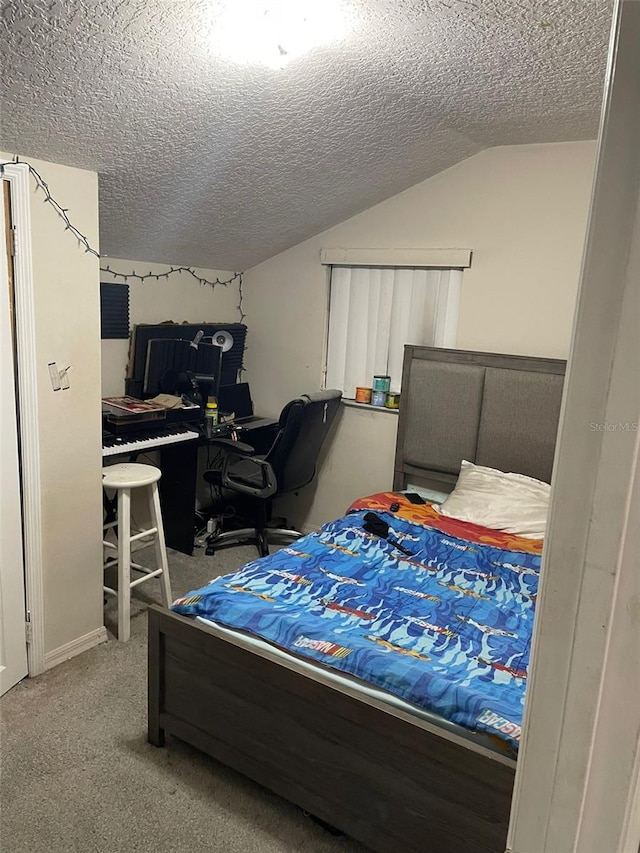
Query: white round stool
x: 123, y: 478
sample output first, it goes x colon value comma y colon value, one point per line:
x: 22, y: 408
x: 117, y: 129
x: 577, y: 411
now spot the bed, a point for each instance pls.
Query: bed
x: 360, y: 758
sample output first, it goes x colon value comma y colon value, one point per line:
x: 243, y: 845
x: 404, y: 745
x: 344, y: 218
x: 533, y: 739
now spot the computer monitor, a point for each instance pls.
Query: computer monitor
x: 176, y: 366
x: 237, y: 399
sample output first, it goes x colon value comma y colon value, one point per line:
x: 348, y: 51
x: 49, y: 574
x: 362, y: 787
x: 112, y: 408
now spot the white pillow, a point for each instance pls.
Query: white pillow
x: 512, y: 503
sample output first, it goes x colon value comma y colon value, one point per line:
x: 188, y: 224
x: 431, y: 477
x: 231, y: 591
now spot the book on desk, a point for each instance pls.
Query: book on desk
x: 125, y: 415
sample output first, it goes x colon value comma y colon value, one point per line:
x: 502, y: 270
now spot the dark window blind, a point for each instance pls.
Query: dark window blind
x: 114, y: 310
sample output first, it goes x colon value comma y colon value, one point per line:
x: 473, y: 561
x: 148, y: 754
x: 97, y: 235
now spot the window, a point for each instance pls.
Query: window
x: 375, y: 311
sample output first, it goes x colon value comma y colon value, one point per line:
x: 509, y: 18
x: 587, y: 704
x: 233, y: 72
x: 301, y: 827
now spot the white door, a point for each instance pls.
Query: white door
x: 13, y: 647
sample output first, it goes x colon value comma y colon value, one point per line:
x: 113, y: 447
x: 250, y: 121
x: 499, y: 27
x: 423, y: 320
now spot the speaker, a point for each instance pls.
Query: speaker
x: 232, y: 342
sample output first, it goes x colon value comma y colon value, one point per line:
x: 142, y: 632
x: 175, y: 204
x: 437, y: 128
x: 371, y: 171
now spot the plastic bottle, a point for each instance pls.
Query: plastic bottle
x: 211, y: 416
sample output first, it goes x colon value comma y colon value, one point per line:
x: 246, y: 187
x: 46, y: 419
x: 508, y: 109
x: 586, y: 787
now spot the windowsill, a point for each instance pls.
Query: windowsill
x: 353, y: 405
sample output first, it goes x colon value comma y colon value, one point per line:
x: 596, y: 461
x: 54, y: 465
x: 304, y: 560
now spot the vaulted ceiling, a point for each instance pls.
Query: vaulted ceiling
x: 210, y: 162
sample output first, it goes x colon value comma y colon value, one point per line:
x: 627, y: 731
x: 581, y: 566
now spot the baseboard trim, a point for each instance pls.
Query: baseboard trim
x: 75, y: 647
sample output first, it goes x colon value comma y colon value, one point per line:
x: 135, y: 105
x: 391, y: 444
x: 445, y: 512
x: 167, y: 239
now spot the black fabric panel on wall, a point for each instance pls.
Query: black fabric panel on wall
x: 114, y: 310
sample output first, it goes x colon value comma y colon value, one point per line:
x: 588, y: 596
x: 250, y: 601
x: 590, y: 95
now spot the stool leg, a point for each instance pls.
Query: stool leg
x: 124, y: 564
x: 161, y: 548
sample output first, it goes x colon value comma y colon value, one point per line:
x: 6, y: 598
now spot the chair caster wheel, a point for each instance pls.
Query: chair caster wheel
x: 209, y: 551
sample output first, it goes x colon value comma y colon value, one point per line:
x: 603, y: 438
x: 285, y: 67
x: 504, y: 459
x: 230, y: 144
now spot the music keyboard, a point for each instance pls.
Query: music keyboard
x: 139, y: 442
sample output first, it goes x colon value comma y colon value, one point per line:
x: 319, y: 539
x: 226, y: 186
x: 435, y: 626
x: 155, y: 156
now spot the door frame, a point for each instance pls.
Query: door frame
x: 17, y: 174
x: 577, y: 785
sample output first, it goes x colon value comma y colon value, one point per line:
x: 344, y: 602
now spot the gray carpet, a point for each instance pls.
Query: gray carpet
x: 77, y: 775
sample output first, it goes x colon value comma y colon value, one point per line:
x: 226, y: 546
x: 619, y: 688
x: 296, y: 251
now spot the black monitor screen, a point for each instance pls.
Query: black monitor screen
x: 237, y: 399
x: 170, y: 360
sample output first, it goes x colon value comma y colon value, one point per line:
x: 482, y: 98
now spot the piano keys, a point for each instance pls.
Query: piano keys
x: 141, y: 441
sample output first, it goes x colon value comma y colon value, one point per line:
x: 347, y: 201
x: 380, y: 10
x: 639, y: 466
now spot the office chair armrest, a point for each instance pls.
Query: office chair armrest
x: 233, y: 452
x: 238, y: 447
x: 266, y: 488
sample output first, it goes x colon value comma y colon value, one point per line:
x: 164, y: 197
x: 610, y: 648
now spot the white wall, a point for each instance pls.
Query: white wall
x: 523, y: 212
x: 179, y: 298
x: 68, y: 332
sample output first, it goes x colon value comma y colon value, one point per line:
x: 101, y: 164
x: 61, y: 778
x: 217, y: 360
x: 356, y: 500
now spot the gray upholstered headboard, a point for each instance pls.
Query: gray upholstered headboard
x: 495, y: 410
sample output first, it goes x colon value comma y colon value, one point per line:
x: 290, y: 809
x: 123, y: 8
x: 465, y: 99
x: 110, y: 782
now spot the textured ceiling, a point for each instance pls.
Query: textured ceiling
x: 210, y: 163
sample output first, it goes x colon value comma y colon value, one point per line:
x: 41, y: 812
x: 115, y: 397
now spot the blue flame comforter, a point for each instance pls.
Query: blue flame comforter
x: 447, y: 628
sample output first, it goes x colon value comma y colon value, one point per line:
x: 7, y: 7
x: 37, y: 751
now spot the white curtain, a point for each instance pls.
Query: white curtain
x: 374, y: 311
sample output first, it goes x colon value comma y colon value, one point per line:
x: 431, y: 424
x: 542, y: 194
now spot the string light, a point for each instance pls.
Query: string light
x: 237, y: 276
x: 240, y: 308
x: 62, y: 212
x: 241, y: 299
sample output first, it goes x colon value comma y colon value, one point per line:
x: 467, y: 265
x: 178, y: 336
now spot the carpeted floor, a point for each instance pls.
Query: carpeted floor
x: 77, y: 775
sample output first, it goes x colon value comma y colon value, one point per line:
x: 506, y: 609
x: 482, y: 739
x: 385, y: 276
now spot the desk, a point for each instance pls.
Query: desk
x: 260, y: 434
x: 179, y: 466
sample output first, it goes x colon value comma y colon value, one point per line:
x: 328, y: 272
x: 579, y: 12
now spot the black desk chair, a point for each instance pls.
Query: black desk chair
x: 289, y: 464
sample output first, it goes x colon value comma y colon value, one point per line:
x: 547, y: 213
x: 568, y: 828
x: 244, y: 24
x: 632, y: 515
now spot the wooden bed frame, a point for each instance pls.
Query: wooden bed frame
x: 393, y: 782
